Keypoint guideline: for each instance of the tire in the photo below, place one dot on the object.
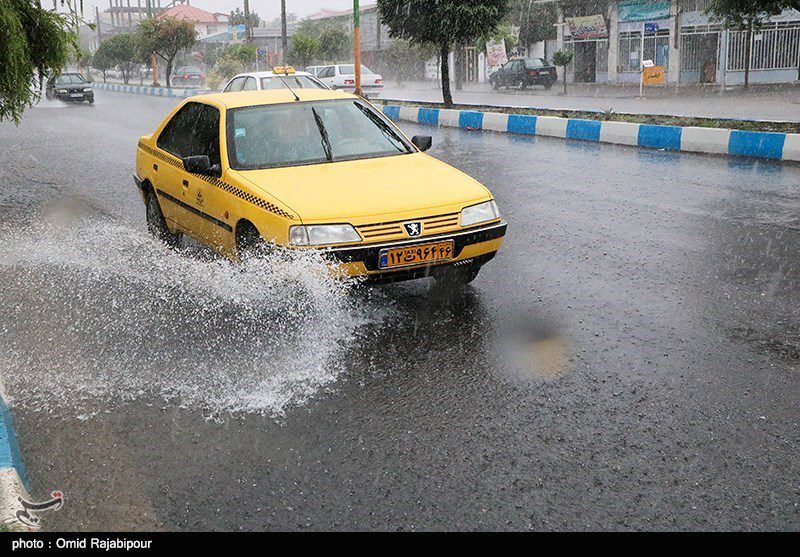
(157, 224)
(249, 242)
(548, 84)
(495, 85)
(456, 276)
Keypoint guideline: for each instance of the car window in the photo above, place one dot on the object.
(250, 84)
(349, 69)
(176, 136)
(235, 85)
(206, 133)
(269, 136)
(326, 72)
(194, 130)
(293, 81)
(534, 63)
(68, 78)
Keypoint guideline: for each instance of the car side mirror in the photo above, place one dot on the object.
(201, 164)
(422, 142)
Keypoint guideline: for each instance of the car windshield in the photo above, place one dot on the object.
(299, 133)
(348, 69)
(533, 63)
(68, 78)
(293, 81)
(189, 69)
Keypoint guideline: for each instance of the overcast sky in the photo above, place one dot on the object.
(266, 9)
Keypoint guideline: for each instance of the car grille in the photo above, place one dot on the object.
(387, 231)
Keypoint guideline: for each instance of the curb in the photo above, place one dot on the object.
(13, 483)
(762, 145)
(150, 91)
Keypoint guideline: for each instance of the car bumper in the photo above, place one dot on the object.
(75, 96)
(470, 247)
(370, 92)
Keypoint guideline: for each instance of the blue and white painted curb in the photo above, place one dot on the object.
(764, 145)
(13, 483)
(150, 91)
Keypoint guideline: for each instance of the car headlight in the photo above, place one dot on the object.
(62, 91)
(87, 90)
(321, 234)
(480, 213)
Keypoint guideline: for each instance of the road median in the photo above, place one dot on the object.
(773, 145)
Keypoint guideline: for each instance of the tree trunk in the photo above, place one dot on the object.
(747, 47)
(564, 73)
(447, 96)
(169, 73)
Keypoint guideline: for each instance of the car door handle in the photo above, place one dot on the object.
(185, 184)
(155, 167)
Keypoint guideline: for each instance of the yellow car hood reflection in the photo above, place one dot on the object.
(354, 191)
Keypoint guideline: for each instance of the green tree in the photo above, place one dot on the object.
(120, 50)
(305, 49)
(166, 36)
(34, 43)
(237, 18)
(230, 60)
(563, 58)
(101, 62)
(536, 22)
(747, 16)
(335, 44)
(442, 23)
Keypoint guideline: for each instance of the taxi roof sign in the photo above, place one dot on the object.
(285, 70)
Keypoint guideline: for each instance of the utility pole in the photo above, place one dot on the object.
(357, 45)
(97, 22)
(247, 37)
(153, 56)
(284, 37)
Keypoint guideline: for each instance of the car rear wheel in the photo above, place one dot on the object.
(157, 224)
(456, 276)
(548, 84)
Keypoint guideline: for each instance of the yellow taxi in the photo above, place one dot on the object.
(314, 169)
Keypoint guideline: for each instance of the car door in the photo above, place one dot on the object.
(210, 209)
(168, 175)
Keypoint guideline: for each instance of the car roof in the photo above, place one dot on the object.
(277, 96)
(269, 74)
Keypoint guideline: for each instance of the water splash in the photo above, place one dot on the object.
(94, 313)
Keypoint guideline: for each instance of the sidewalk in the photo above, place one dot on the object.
(761, 102)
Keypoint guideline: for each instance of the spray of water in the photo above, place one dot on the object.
(94, 313)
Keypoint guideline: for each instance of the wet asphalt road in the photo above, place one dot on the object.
(629, 361)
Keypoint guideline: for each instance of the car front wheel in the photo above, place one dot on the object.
(157, 224)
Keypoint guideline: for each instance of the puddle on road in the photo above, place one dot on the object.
(94, 312)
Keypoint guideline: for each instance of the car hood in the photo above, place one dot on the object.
(359, 191)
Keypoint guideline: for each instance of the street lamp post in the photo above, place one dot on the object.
(357, 45)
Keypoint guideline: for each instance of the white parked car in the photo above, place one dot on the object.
(262, 81)
(343, 76)
(314, 70)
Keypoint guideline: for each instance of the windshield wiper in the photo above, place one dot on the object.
(326, 142)
(387, 131)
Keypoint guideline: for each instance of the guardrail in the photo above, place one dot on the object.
(764, 145)
(150, 91)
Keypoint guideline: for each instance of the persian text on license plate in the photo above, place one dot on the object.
(414, 255)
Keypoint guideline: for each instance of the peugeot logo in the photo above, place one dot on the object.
(413, 228)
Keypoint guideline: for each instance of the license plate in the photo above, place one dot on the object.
(415, 255)
(76, 95)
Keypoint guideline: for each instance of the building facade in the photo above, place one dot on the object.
(679, 36)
